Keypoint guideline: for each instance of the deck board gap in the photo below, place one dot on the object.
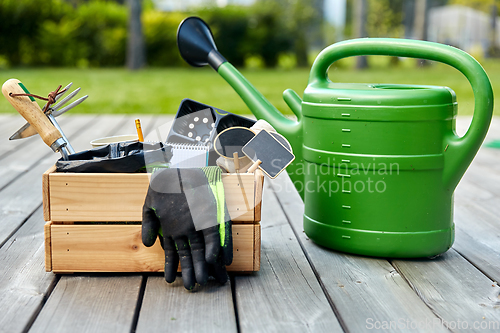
(120, 125)
(138, 306)
(476, 266)
(35, 314)
(44, 157)
(2, 243)
(233, 294)
(316, 273)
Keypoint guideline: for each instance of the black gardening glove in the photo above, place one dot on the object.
(180, 201)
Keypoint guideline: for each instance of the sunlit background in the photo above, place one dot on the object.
(124, 55)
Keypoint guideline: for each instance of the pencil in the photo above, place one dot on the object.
(139, 130)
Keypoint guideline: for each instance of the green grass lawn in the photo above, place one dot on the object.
(160, 90)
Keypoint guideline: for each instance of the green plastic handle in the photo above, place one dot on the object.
(458, 151)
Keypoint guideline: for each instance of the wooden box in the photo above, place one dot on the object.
(93, 222)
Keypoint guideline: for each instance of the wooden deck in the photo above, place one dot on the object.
(301, 287)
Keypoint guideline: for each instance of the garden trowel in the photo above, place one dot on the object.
(41, 122)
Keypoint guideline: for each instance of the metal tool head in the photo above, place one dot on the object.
(55, 109)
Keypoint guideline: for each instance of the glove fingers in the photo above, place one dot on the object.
(197, 245)
(150, 226)
(171, 259)
(218, 271)
(212, 244)
(188, 277)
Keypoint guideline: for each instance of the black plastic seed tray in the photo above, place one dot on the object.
(197, 123)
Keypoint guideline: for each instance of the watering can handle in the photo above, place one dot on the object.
(458, 151)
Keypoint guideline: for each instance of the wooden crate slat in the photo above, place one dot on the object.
(97, 197)
(119, 197)
(119, 248)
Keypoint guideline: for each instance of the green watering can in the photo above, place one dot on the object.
(376, 164)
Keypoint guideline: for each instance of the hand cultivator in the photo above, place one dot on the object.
(40, 121)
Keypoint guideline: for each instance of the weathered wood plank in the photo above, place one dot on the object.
(285, 295)
(477, 200)
(366, 292)
(24, 194)
(23, 281)
(170, 308)
(477, 230)
(455, 290)
(22, 157)
(90, 304)
(8, 126)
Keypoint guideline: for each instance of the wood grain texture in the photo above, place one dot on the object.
(23, 281)
(20, 176)
(30, 110)
(120, 196)
(90, 304)
(24, 157)
(48, 246)
(256, 247)
(476, 208)
(171, 308)
(454, 289)
(259, 186)
(477, 235)
(363, 290)
(284, 296)
(119, 248)
(9, 125)
(240, 196)
(45, 192)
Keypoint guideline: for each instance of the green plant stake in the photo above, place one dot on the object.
(376, 164)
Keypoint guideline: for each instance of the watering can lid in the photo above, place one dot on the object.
(378, 94)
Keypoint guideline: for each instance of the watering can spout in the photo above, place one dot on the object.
(294, 102)
(197, 47)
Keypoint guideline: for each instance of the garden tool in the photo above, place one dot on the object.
(186, 209)
(40, 122)
(376, 164)
(52, 111)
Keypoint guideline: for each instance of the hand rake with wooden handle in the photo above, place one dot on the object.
(29, 109)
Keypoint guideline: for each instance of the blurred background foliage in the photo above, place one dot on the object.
(267, 33)
(273, 42)
(93, 33)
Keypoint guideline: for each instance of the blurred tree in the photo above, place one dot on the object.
(493, 49)
(20, 23)
(359, 27)
(304, 21)
(230, 26)
(268, 32)
(136, 56)
(385, 18)
(160, 38)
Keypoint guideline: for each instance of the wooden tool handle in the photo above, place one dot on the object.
(254, 166)
(30, 110)
(236, 162)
